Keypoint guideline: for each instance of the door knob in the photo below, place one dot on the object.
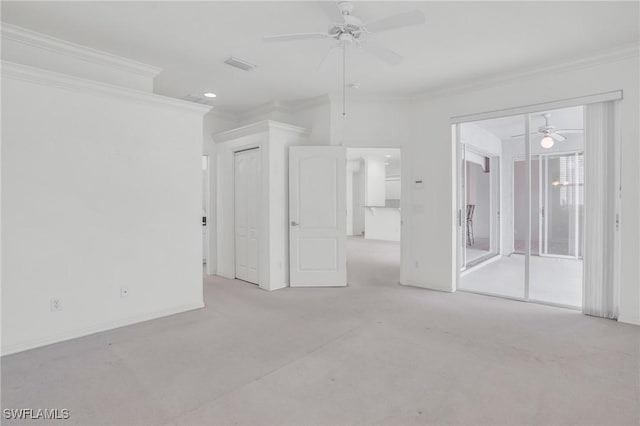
(294, 223)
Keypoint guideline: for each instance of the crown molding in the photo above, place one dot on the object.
(259, 127)
(285, 107)
(263, 109)
(309, 103)
(370, 98)
(618, 53)
(224, 114)
(83, 53)
(54, 79)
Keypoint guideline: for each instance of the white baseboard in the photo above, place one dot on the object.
(412, 283)
(97, 328)
(629, 319)
(278, 287)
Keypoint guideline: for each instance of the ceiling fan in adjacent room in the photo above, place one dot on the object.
(347, 29)
(550, 133)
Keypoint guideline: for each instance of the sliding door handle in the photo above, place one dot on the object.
(294, 223)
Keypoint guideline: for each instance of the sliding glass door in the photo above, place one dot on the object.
(486, 196)
(556, 270)
(540, 206)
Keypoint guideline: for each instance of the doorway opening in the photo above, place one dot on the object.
(374, 215)
(521, 199)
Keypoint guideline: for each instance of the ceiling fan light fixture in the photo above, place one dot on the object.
(547, 142)
(210, 95)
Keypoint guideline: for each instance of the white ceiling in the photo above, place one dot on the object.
(506, 127)
(461, 41)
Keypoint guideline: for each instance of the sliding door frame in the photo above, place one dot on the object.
(457, 121)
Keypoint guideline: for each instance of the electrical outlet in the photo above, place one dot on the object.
(124, 291)
(56, 305)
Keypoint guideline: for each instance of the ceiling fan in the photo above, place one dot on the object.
(550, 133)
(347, 29)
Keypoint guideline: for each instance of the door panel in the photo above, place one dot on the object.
(247, 190)
(317, 213)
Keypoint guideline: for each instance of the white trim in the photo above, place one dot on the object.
(414, 283)
(528, 109)
(607, 56)
(483, 262)
(527, 238)
(260, 126)
(263, 109)
(282, 107)
(97, 328)
(635, 320)
(519, 299)
(310, 103)
(87, 54)
(68, 82)
(224, 114)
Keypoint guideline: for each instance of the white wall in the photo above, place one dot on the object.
(430, 255)
(213, 123)
(483, 141)
(393, 188)
(353, 167)
(382, 223)
(101, 189)
(358, 202)
(374, 182)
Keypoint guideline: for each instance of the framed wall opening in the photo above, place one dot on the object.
(374, 215)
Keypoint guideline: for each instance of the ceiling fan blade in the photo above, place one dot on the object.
(294, 37)
(568, 131)
(414, 17)
(556, 137)
(330, 8)
(380, 52)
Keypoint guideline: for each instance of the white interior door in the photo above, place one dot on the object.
(247, 191)
(317, 214)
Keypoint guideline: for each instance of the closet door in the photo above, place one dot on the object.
(247, 191)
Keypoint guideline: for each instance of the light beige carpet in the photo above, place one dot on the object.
(372, 353)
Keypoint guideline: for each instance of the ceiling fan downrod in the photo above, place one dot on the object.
(344, 80)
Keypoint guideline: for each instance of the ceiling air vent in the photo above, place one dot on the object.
(239, 63)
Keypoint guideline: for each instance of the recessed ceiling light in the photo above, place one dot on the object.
(388, 156)
(209, 95)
